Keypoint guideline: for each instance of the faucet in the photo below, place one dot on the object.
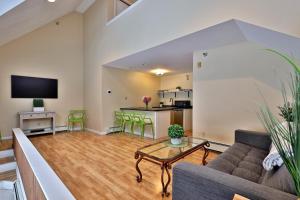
(172, 100)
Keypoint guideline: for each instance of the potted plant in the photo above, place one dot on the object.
(287, 138)
(146, 101)
(175, 132)
(38, 105)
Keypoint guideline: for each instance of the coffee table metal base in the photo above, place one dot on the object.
(166, 166)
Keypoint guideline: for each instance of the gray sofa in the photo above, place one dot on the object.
(238, 170)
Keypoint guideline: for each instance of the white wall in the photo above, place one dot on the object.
(231, 85)
(127, 89)
(140, 29)
(185, 81)
(150, 23)
(51, 52)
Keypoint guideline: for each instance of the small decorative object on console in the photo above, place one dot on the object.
(146, 100)
(175, 132)
(38, 105)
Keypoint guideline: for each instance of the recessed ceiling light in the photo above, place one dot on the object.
(51, 1)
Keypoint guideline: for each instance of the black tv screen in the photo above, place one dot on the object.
(32, 87)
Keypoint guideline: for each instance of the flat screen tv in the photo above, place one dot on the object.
(32, 87)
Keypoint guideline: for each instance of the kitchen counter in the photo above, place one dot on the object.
(161, 118)
(154, 109)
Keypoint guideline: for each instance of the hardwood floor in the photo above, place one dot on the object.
(7, 160)
(5, 145)
(8, 176)
(103, 167)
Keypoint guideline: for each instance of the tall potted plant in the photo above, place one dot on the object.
(287, 138)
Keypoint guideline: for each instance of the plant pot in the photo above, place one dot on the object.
(176, 141)
(38, 109)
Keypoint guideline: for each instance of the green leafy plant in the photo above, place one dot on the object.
(286, 112)
(287, 138)
(175, 131)
(38, 103)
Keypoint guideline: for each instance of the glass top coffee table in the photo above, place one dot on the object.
(164, 154)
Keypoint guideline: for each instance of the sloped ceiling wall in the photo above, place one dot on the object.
(176, 55)
(31, 15)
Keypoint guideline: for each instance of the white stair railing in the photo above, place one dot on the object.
(39, 180)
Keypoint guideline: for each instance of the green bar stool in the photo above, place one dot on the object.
(118, 122)
(127, 120)
(142, 121)
(136, 120)
(76, 117)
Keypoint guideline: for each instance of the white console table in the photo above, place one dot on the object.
(37, 115)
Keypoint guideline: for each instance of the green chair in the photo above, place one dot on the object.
(142, 121)
(127, 121)
(118, 122)
(76, 117)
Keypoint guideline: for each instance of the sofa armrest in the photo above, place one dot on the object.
(252, 138)
(192, 182)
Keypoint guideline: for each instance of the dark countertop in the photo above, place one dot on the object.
(155, 109)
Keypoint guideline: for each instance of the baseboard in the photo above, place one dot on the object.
(57, 129)
(7, 138)
(95, 131)
(8, 166)
(65, 128)
(6, 153)
(218, 146)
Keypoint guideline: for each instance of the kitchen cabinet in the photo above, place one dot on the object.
(187, 119)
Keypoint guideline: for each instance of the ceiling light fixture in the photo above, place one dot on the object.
(159, 72)
(51, 1)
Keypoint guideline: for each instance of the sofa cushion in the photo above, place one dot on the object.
(280, 179)
(253, 159)
(253, 167)
(241, 160)
(222, 165)
(258, 153)
(246, 174)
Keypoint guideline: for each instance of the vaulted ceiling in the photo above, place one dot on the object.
(176, 56)
(33, 14)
